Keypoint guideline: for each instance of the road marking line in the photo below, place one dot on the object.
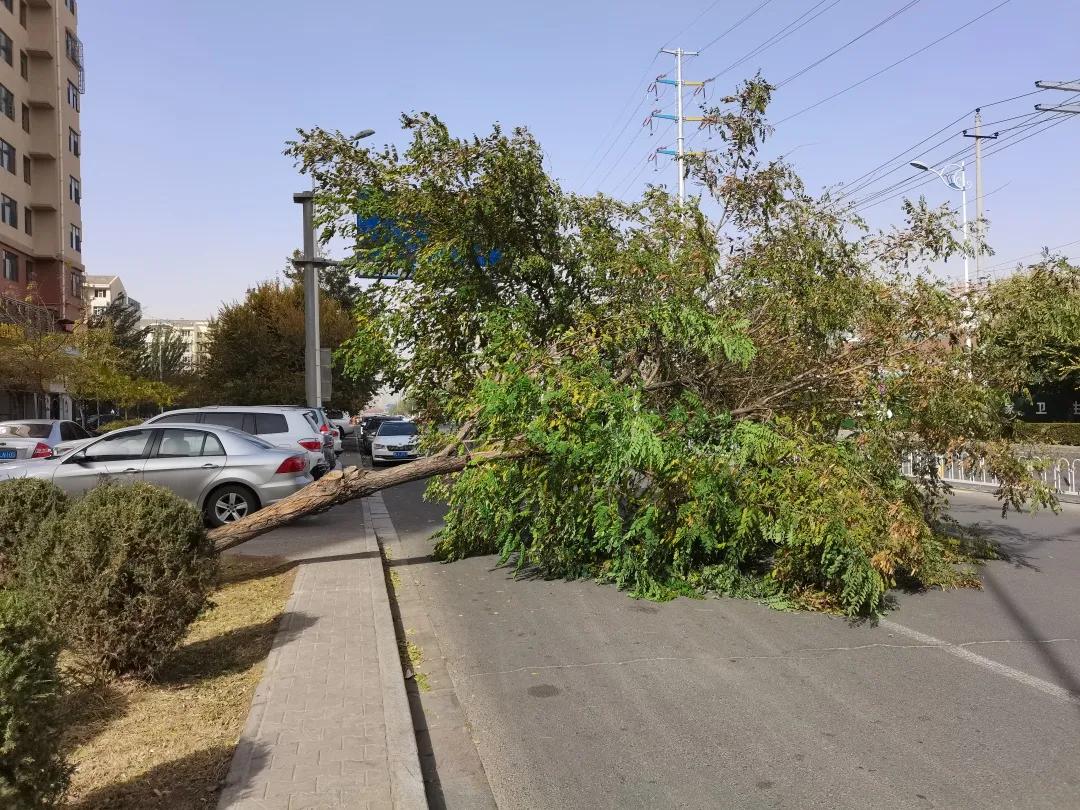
(986, 663)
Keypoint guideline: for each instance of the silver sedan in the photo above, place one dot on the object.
(225, 472)
(22, 439)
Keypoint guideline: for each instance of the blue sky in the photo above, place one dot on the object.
(188, 105)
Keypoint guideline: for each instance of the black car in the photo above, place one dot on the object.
(369, 426)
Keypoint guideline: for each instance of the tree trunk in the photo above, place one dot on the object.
(340, 486)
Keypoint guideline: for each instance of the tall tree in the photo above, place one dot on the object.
(127, 332)
(163, 356)
(657, 393)
(256, 350)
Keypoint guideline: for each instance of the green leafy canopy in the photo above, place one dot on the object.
(675, 376)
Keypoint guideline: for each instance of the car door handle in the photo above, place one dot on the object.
(209, 466)
(131, 470)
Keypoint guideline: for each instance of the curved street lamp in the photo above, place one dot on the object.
(954, 176)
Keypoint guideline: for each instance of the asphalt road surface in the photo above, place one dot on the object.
(576, 695)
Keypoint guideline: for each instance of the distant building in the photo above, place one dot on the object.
(101, 291)
(195, 335)
(41, 95)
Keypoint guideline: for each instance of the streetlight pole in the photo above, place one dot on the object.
(312, 342)
(957, 179)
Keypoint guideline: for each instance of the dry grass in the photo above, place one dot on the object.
(168, 744)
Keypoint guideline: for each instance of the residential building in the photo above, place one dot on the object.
(195, 334)
(41, 89)
(99, 292)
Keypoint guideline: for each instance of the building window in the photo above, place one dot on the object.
(99, 293)
(73, 142)
(71, 6)
(24, 65)
(76, 283)
(75, 190)
(26, 169)
(9, 211)
(28, 221)
(75, 238)
(7, 102)
(1040, 407)
(29, 266)
(7, 157)
(11, 266)
(9, 4)
(22, 13)
(26, 117)
(71, 46)
(7, 48)
(73, 96)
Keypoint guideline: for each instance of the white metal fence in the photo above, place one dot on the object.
(1061, 474)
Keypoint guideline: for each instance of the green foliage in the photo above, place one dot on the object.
(121, 575)
(33, 773)
(1028, 327)
(672, 384)
(25, 503)
(117, 424)
(256, 350)
(1067, 433)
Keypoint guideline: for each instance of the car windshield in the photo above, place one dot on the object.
(397, 429)
(26, 430)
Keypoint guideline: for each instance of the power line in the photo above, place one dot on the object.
(780, 35)
(622, 155)
(633, 112)
(1050, 250)
(894, 64)
(910, 4)
(740, 21)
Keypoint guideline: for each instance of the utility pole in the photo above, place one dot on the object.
(312, 381)
(978, 136)
(1067, 87)
(679, 119)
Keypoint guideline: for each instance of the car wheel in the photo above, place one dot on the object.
(229, 503)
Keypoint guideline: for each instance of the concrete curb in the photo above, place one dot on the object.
(406, 778)
(988, 489)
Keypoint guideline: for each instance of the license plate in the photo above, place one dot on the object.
(401, 453)
(7, 454)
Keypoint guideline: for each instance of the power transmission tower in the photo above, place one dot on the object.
(1067, 87)
(679, 153)
(978, 136)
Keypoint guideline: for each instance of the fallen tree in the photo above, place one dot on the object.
(709, 397)
(339, 486)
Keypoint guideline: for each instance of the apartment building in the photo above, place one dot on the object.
(41, 91)
(195, 335)
(99, 292)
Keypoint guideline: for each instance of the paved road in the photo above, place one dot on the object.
(578, 696)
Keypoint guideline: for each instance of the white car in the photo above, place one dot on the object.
(282, 426)
(397, 440)
(24, 439)
(341, 420)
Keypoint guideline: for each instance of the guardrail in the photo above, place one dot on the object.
(1062, 475)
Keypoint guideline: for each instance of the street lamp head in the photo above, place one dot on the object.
(918, 164)
(364, 133)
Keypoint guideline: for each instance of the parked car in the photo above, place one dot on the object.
(341, 420)
(284, 426)
(224, 471)
(396, 440)
(370, 426)
(22, 439)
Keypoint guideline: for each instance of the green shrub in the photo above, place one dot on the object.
(121, 575)
(33, 773)
(24, 505)
(109, 427)
(1048, 432)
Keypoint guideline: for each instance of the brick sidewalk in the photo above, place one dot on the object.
(329, 725)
